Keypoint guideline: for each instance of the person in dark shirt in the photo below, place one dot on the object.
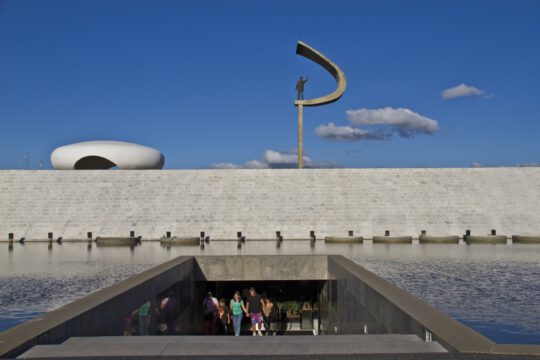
(210, 305)
(168, 311)
(254, 305)
(223, 318)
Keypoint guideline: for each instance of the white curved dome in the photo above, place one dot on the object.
(106, 154)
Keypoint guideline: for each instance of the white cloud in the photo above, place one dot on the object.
(405, 121)
(476, 165)
(252, 164)
(461, 90)
(255, 164)
(282, 158)
(531, 164)
(272, 159)
(337, 133)
(226, 166)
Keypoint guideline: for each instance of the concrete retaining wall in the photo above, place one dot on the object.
(268, 268)
(358, 297)
(102, 313)
(260, 202)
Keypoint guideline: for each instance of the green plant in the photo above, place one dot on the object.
(291, 307)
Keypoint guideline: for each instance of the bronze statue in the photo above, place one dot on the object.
(300, 88)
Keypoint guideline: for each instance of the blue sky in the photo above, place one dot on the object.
(213, 82)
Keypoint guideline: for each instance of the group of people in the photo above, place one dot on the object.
(138, 321)
(218, 316)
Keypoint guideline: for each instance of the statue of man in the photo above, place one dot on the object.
(300, 87)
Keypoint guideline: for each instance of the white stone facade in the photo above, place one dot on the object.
(260, 202)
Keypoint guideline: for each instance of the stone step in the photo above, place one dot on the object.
(187, 346)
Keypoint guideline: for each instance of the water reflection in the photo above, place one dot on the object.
(492, 288)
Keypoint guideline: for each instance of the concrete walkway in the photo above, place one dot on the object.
(225, 346)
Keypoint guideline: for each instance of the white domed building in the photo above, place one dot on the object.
(95, 155)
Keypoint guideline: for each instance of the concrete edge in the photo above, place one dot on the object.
(516, 349)
(449, 331)
(392, 239)
(486, 239)
(523, 239)
(307, 267)
(427, 239)
(520, 239)
(344, 239)
(30, 331)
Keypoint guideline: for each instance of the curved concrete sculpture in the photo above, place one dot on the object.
(92, 155)
(307, 51)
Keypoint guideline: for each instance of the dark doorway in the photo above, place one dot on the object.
(297, 302)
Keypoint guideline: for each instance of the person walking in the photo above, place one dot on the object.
(128, 323)
(237, 310)
(254, 307)
(268, 312)
(223, 318)
(144, 318)
(210, 305)
(169, 309)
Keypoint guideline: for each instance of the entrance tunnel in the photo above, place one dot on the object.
(314, 294)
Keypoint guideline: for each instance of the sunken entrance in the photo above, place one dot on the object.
(317, 295)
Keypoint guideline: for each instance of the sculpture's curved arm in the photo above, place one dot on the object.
(312, 54)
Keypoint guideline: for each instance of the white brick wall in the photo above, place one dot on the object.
(259, 202)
